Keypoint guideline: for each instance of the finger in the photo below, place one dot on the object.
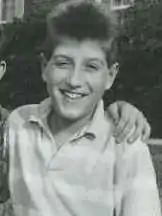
(113, 112)
(124, 120)
(124, 132)
(120, 128)
(146, 132)
(137, 132)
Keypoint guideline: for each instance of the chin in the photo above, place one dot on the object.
(73, 115)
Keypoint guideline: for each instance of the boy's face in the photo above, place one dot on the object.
(77, 76)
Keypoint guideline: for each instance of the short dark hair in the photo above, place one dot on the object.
(82, 20)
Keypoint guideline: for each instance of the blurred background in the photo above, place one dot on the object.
(22, 32)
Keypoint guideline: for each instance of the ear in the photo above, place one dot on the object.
(112, 73)
(43, 62)
(2, 68)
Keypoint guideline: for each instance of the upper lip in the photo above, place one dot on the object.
(73, 92)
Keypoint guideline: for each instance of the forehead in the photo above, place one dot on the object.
(87, 48)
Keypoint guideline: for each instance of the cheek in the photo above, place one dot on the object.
(98, 82)
(54, 75)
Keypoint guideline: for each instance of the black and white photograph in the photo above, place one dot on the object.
(80, 107)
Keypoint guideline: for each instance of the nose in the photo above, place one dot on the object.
(75, 77)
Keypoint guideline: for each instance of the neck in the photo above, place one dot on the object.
(63, 129)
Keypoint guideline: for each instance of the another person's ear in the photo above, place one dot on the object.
(113, 71)
(43, 62)
(2, 68)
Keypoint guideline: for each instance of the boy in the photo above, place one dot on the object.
(63, 156)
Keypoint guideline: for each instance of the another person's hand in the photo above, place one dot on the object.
(129, 121)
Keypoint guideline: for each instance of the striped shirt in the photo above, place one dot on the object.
(88, 176)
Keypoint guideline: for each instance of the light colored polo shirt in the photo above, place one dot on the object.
(88, 176)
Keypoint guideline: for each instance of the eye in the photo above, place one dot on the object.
(62, 63)
(92, 67)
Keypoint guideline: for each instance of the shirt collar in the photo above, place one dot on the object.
(91, 130)
(99, 123)
(42, 111)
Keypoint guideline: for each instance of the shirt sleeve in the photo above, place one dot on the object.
(137, 178)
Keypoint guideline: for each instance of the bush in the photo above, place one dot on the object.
(140, 78)
(22, 83)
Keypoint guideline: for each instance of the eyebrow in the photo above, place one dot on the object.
(97, 60)
(62, 56)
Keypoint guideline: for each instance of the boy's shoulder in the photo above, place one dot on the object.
(29, 113)
(130, 151)
(23, 113)
(131, 159)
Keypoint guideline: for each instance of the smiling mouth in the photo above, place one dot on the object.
(72, 94)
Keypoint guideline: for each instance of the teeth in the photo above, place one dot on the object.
(73, 95)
